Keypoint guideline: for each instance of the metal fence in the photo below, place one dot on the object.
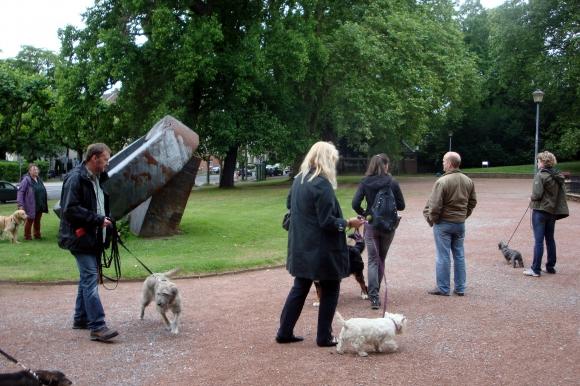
(573, 185)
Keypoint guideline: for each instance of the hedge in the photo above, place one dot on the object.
(10, 171)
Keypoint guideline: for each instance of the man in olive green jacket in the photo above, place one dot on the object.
(548, 202)
(451, 202)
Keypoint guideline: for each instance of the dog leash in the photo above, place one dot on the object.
(132, 254)
(508, 243)
(12, 359)
(114, 259)
(381, 270)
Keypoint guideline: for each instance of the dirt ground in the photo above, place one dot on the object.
(508, 330)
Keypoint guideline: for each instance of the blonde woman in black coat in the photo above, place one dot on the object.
(316, 243)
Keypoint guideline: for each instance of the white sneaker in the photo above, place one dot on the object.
(530, 272)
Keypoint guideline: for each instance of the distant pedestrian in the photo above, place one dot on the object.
(548, 202)
(317, 247)
(32, 198)
(84, 211)
(451, 203)
(376, 178)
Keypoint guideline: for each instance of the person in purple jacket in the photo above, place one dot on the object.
(32, 198)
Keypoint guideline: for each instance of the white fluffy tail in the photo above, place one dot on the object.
(339, 318)
(172, 272)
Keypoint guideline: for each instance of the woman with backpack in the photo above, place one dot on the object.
(378, 238)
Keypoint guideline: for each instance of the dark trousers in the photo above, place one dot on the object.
(329, 289)
(30, 223)
(544, 225)
(378, 244)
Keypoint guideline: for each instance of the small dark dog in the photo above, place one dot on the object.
(356, 264)
(511, 255)
(25, 378)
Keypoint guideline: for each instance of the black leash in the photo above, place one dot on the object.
(114, 259)
(508, 243)
(132, 254)
(12, 359)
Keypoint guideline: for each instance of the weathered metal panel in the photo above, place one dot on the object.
(145, 167)
(161, 215)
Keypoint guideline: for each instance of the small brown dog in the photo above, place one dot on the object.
(356, 265)
(9, 225)
(25, 378)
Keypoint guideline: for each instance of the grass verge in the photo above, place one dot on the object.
(221, 230)
(572, 167)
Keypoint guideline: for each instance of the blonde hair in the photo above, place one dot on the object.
(321, 160)
(547, 158)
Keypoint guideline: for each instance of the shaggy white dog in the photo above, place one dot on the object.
(376, 332)
(158, 287)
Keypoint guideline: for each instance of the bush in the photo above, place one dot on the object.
(10, 171)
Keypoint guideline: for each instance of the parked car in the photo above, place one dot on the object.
(244, 173)
(7, 191)
(215, 169)
(273, 170)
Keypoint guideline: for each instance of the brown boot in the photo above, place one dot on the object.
(103, 334)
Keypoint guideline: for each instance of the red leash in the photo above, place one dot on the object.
(381, 271)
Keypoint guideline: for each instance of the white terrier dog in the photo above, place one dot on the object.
(158, 287)
(376, 332)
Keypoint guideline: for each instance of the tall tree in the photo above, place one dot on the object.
(26, 101)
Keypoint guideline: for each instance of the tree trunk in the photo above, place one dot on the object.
(229, 167)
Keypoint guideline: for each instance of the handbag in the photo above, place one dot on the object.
(286, 221)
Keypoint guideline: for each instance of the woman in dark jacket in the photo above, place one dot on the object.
(548, 202)
(32, 197)
(377, 177)
(316, 243)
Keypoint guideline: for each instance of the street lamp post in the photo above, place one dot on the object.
(450, 135)
(538, 97)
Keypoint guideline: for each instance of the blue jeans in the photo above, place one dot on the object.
(449, 237)
(544, 225)
(88, 307)
(377, 244)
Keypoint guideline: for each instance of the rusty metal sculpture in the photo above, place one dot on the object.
(152, 178)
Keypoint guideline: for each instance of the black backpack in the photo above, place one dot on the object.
(384, 216)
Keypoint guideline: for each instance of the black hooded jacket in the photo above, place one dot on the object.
(80, 224)
(368, 189)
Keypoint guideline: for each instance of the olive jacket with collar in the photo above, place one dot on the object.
(317, 247)
(548, 193)
(452, 199)
(80, 224)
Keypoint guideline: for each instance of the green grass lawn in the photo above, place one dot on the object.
(572, 167)
(222, 230)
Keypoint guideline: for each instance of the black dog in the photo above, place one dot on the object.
(25, 378)
(356, 264)
(511, 255)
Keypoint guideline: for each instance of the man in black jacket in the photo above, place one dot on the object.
(84, 209)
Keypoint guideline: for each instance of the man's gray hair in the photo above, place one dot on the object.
(96, 149)
(453, 158)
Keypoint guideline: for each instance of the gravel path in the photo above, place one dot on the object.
(507, 330)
